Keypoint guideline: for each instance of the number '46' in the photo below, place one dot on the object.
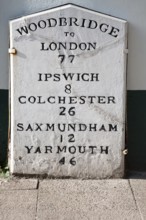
(72, 161)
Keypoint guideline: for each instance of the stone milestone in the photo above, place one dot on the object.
(68, 82)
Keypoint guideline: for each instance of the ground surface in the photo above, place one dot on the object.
(35, 199)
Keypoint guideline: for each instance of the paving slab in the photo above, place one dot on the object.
(18, 184)
(18, 205)
(139, 191)
(86, 199)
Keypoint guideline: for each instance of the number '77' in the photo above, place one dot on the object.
(62, 58)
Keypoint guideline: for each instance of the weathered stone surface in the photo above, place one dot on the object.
(68, 94)
(88, 199)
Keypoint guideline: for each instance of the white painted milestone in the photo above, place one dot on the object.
(68, 82)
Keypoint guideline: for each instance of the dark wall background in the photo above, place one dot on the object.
(3, 126)
(136, 134)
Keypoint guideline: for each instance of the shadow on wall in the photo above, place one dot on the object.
(3, 126)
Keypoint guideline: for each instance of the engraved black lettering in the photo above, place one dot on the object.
(62, 21)
(114, 32)
(68, 76)
(82, 149)
(82, 100)
(62, 161)
(56, 77)
(51, 99)
(95, 77)
(72, 161)
(53, 46)
(21, 99)
(73, 46)
(102, 128)
(111, 99)
(72, 149)
(61, 149)
(62, 56)
(38, 127)
(91, 46)
(43, 47)
(50, 127)
(112, 127)
(68, 88)
(28, 149)
(72, 100)
(101, 99)
(82, 127)
(103, 27)
(22, 30)
(104, 149)
(42, 24)
(61, 127)
(29, 128)
(38, 150)
(48, 149)
(93, 127)
(71, 58)
(32, 27)
(61, 45)
(61, 138)
(73, 20)
(83, 46)
(61, 99)
(83, 22)
(71, 138)
(52, 22)
(20, 127)
(40, 77)
(91, 99)
(47, 76)
(62, 112)
(72, 127)
(85, 77)
(40, 101)
(92, 24)
(92, 149)
(32, 99)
